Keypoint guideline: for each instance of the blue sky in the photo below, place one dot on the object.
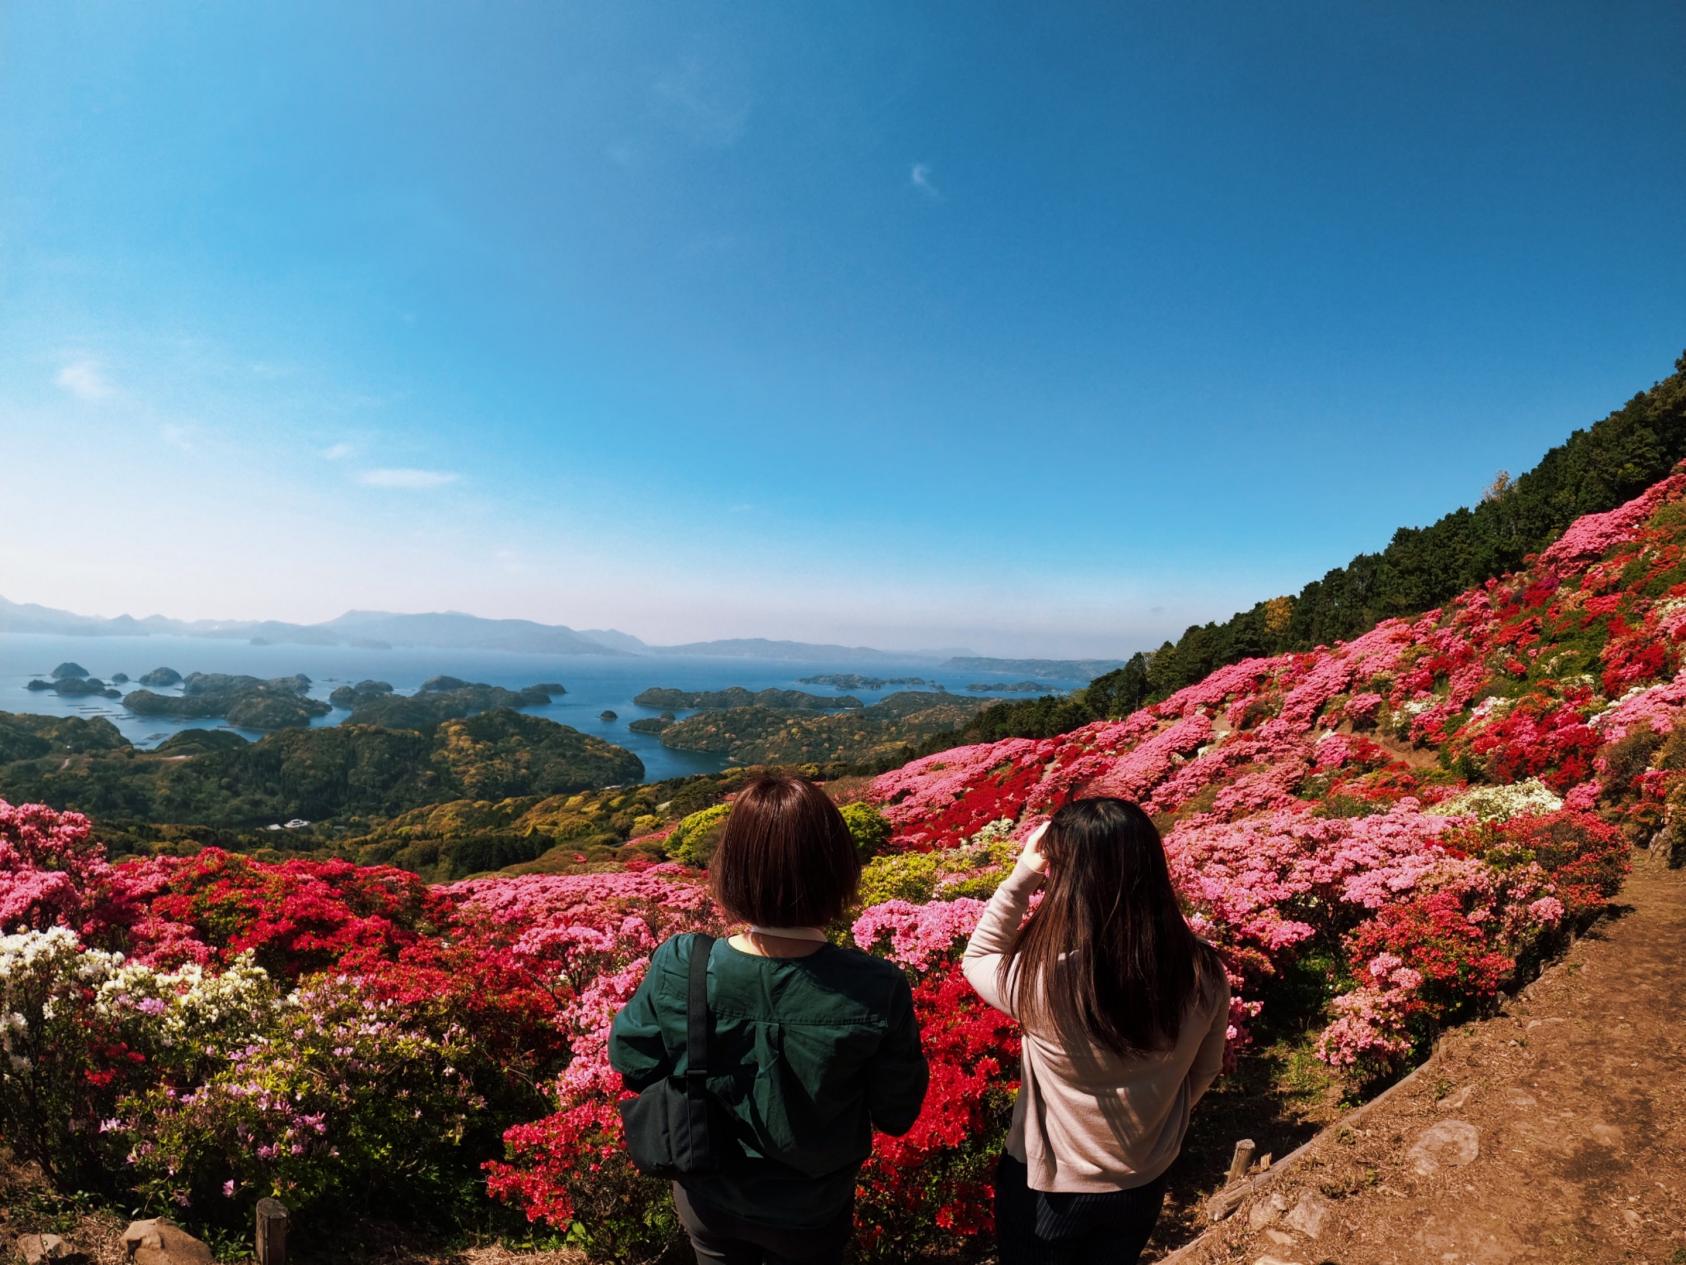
(1036, 329)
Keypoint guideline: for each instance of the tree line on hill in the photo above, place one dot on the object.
(1594, 470)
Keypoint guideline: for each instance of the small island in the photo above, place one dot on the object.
(1015, 687)
(161, 678)
(69, 669)
(855, 681)
(72, 686)
(606, 714)
(248, 702)
(650, 724)
(351, 696)
(765, 735)
(737, 696)
(439, 698)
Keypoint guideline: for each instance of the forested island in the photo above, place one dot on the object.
(250, 702)
(1054, 669)
(737, 696)
(855, 681)
(765, 735)
(350, 772)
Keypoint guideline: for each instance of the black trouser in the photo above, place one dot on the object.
(719, 1238)
(1035, 1227)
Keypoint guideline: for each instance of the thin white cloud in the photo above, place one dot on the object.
(701, 103)
(85, 380)
(920, 178)
(406, 477)
(338, 452)
(178, 437)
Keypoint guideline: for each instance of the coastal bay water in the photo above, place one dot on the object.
(595, 683)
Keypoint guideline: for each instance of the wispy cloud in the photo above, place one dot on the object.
(920, 178)
(85, 379)
(178, 437)
(698, 104)
(338, 452)
(406, 477)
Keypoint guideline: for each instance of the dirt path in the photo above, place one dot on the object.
(1553, 1132)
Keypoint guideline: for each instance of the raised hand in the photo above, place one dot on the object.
(1032, 855)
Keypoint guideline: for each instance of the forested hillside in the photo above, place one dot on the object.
(1593, 470)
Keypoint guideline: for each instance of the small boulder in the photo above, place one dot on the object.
(1267, 1210)
(39, 1248)
(162, 1242)
(1449, 1143)
(1309, 1214)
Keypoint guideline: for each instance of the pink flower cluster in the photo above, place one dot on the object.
(917, 936)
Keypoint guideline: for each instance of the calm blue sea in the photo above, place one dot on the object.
(596, 683)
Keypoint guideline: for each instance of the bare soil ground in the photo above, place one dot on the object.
(1552, 1132)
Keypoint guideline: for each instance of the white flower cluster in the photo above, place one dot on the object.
(34, 967)
(28, 953)
(1500, 803)
(998, 831)
(44, 971)
(1491, 707)
(190, 1002)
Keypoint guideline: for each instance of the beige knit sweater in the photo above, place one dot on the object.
(1086, 1118)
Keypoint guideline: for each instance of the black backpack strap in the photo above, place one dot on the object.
(696, 1014)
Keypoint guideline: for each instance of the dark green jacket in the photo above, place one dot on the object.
(809, 1055)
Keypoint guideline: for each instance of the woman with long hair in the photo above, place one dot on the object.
(1124, 1012)
(810, 1046)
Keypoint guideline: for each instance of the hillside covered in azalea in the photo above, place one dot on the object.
(1380, 836)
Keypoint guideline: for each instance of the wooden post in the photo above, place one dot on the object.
(1238, 1164)
(272, 1232)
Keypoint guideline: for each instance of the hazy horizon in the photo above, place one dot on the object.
(891, 326)
(658, 642)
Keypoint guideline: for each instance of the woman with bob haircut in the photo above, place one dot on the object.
(811, 1046)
(1124, 1012)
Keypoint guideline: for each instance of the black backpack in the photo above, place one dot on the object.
(674, 1130)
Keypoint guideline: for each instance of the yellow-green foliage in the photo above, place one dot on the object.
(867, 827)
(694, 838)
(976, 868)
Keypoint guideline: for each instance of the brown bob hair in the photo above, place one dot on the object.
(786, 859)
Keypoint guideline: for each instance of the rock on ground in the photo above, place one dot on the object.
(163, 1242)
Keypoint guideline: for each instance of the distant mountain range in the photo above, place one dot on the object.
(451, 630)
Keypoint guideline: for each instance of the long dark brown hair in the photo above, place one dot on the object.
(1109, 954)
